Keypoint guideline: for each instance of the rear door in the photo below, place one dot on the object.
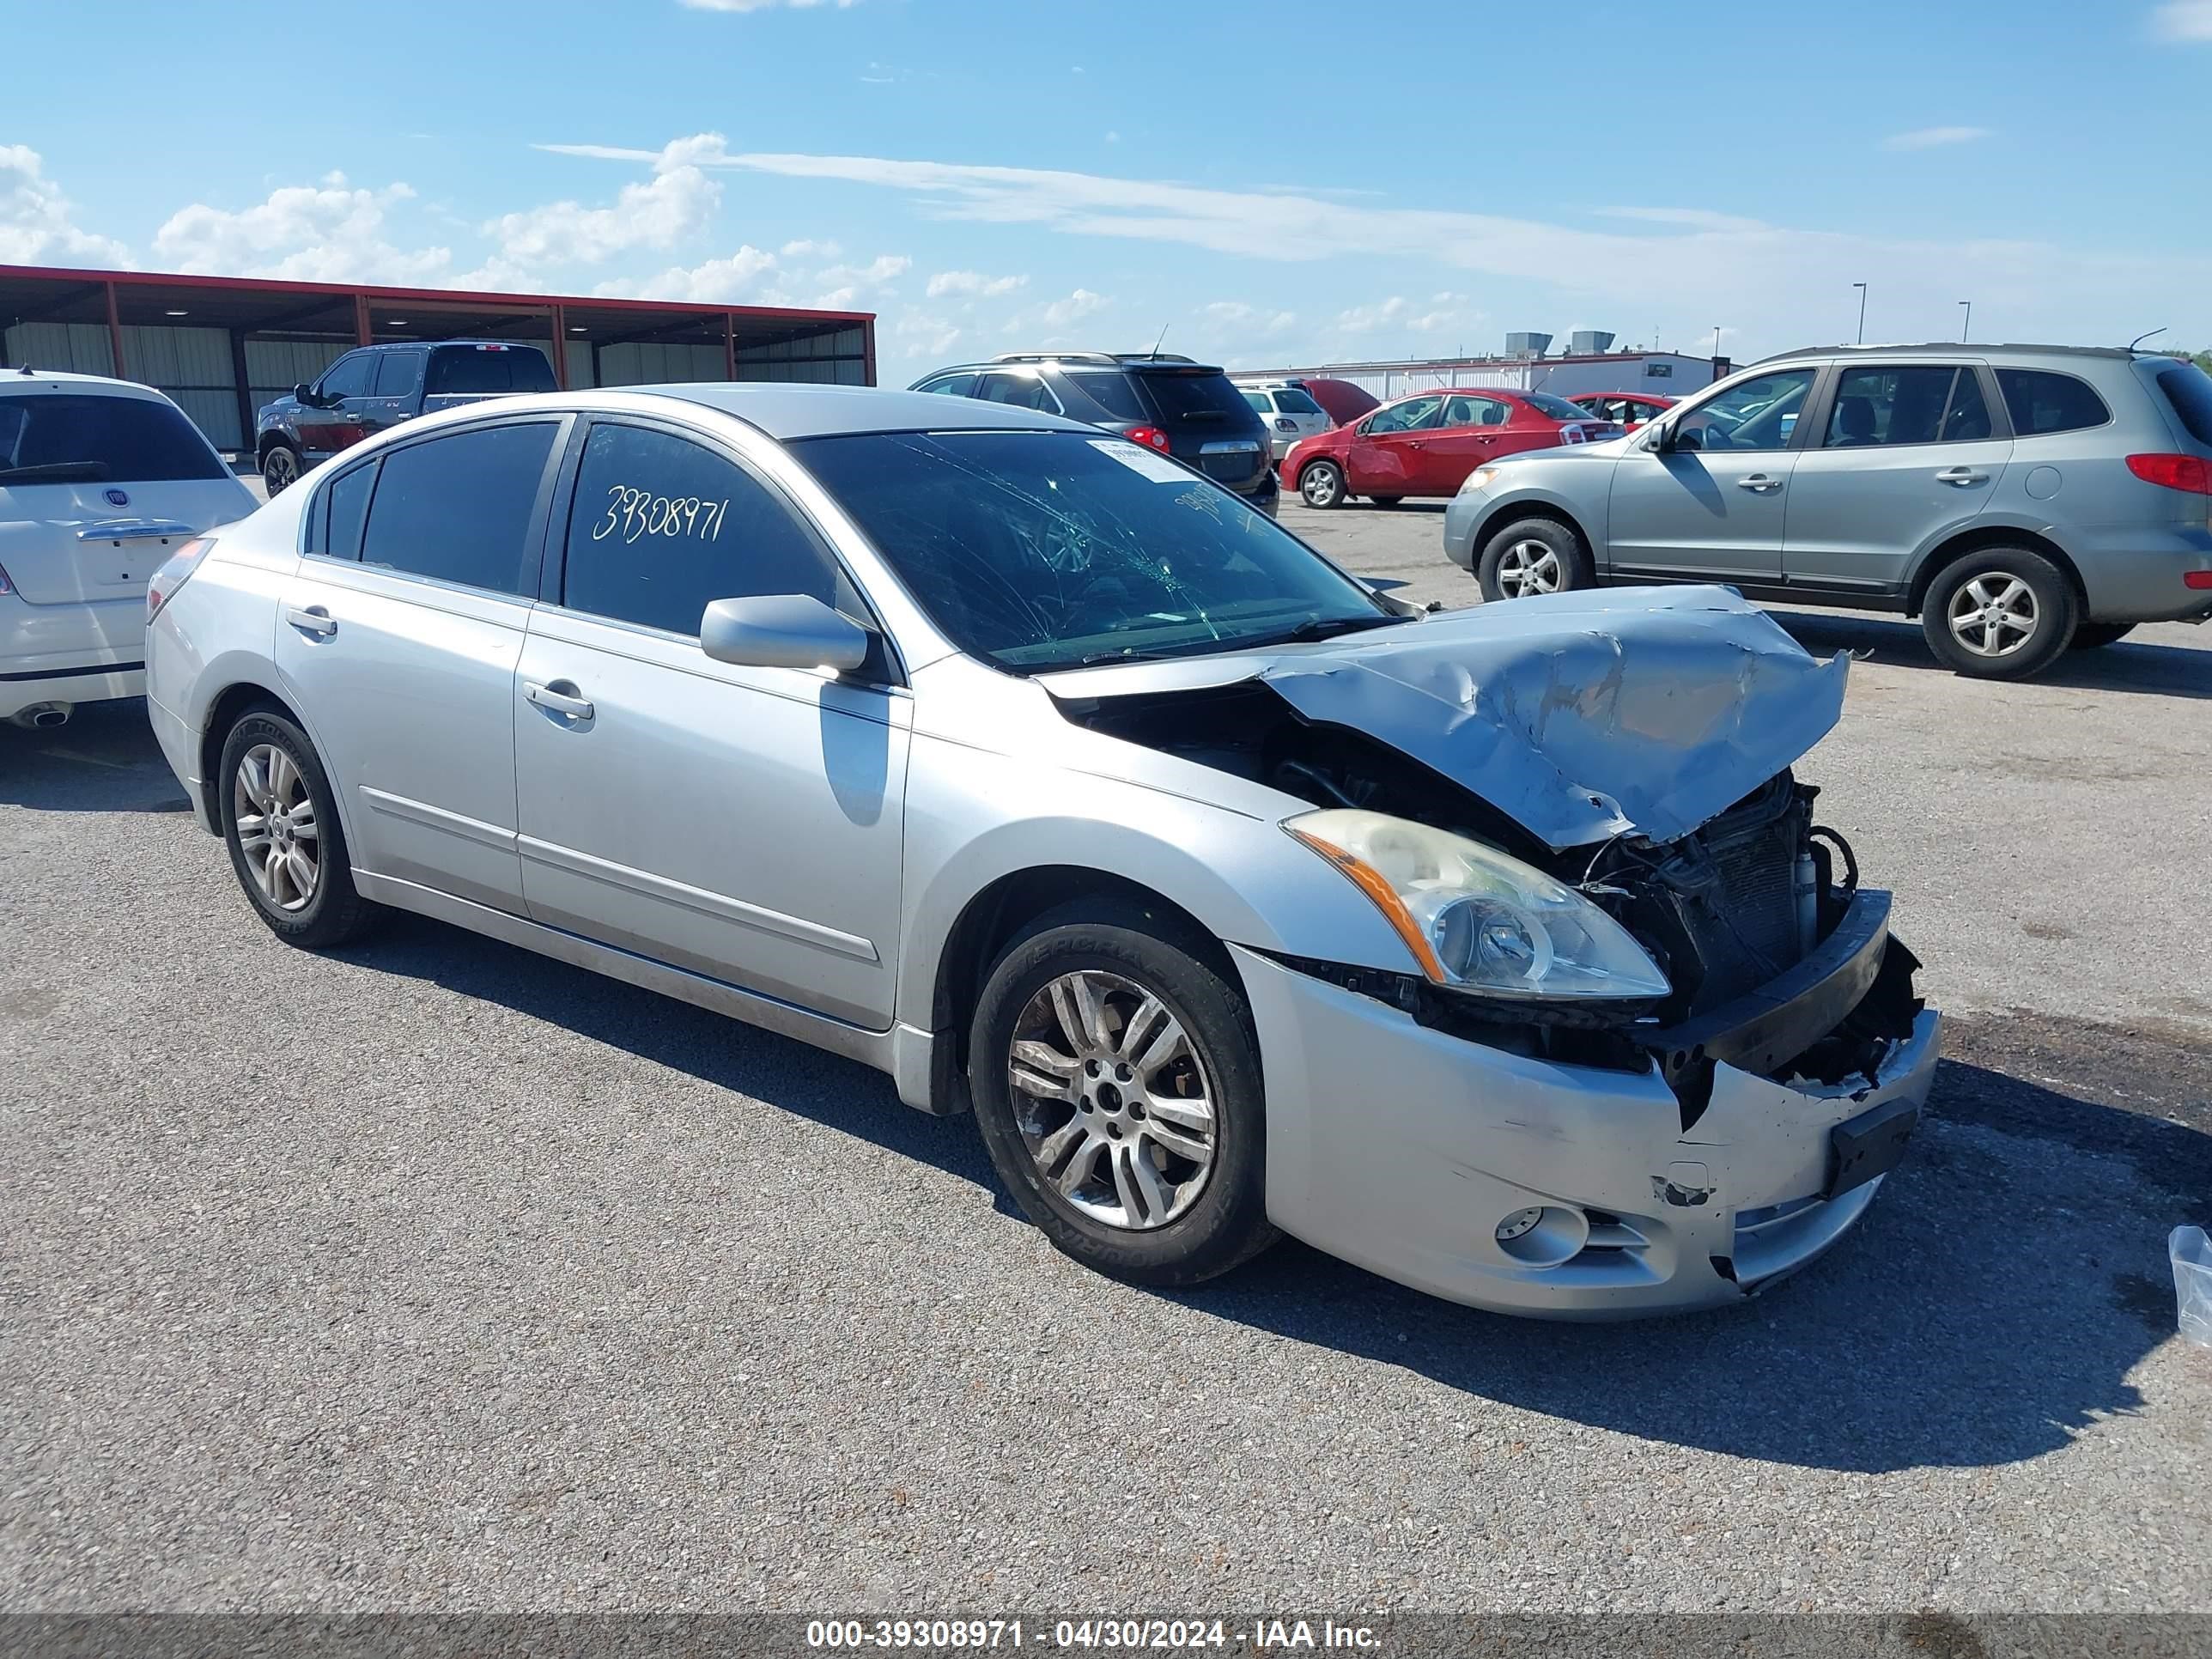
(399, 636)
(96, 488)
(1473, 429)
(1389, 449)
(396, 393)
(1904, 455)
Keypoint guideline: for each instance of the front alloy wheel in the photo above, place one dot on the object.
(1528, 566)
(280, 470)
(1112, 1100)
(1321, 484)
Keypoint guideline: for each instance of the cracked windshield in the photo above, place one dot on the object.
(1043, 550)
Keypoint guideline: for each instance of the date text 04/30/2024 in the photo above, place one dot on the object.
(1099, 1635)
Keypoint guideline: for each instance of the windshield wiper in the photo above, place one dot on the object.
(54, 472)
(1127, 654)
(1324, 628)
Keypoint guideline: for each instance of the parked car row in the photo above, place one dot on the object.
(1426, 443)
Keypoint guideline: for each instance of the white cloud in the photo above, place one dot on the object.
(804, 249)
(1688, 218)
(2189, 21)
(1249, 318)
(1765, 279)
(1081, 303)
(657, 213)
(1934, 138)
(878, 271)
(36, 220)
(328, 232)
(759, 5)
(717, 282)
(971, 281)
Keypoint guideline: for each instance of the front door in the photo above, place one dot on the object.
(744, 824)
(336, 418)
(1387, 455)
(401, 631)
(1906, 455)
(1712, 508)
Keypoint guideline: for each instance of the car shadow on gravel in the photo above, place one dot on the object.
(1991, 1307)
(2130, 666)
(105, 760)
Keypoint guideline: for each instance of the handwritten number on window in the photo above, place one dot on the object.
(636, 514)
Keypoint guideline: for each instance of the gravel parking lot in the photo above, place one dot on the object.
(438, 1275)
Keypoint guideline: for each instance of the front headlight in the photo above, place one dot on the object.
(1478, 920)
(1480, 479)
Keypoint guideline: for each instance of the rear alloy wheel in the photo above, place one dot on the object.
(1321, 484)
(280, 469)
(2003, 613)
(1533, 556)
(2094, 636)
(1117, 1082)
(282, 828)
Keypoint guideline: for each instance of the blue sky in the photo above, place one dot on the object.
(1272, 183)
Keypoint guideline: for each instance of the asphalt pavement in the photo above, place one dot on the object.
(436, 1275)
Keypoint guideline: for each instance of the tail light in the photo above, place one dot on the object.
(161, 586)
(1148, 435)
(1282, 425)
(2187, 473)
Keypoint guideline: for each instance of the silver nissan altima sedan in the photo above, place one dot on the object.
(1498, 952)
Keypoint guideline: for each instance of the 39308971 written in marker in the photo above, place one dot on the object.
(637, 513)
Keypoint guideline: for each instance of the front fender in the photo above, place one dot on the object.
(1483, 513)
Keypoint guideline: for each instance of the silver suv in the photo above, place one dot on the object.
(2019, 500)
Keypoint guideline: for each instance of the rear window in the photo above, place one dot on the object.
(1114, 394)
(462, 369)
(1179, 395)
(458, 508)
(2040, 402)
(2188, 389)
(69, 439)
(1557, 409)
(1292, 401)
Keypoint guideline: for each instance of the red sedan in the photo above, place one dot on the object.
(1427, 444)
(1630, 409)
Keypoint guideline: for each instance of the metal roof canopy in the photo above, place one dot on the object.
(365, 314)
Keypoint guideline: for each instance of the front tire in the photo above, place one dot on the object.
(280, 822)
(280, 469)
(1532, 556)
(1116, 1082)
(1321, 484)
(2002, 613)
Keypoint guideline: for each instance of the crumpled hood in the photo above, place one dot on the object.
(1579, 715)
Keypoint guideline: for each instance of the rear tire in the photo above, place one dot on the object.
(2000, 613)
(280, 822)
(1088, 988)
(1532, 556)
(2094, 636)
(280, 469)
(1321, 484)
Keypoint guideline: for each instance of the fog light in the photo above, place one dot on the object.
(1543, 1236)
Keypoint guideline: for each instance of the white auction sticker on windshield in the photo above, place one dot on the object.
(1138, 458)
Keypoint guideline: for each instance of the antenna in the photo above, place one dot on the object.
(1162, 340)
(2140, 338)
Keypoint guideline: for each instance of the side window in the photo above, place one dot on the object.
(1414, 415)
(663, 526)
(1888, 406)
(1755, 414)
(950, 385)
(1967, 416)
(1261, 404)
(2040, 402)
(1114, 393)
(467, 369)
(1476, 411)
(399, 373)
(1021, 391)
(348, 376)
(458, 508)
(346, 504)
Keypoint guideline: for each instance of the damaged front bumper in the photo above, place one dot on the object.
(1524, 1185)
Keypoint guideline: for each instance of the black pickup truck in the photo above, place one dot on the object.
(380, 386)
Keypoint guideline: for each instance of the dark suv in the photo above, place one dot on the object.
(380, 386)
(1181, 408)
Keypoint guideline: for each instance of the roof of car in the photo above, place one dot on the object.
(1981, 348)
(786, 410)
(31, 375)
(488, 345)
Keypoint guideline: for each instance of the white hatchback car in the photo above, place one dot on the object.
(101, 480)
(1288, 409)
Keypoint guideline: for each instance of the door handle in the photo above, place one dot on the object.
(1962, 476)
(564, 703)
(311, 619)
(1414, 443)
(1757, 483)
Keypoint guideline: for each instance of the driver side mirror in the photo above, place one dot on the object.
(303, 393)
(781, 630)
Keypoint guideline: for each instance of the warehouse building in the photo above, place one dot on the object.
(1589, 364)
(224, 346)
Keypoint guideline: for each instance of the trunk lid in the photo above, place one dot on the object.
(1581, 716)
(1208, 423)
(64, 544)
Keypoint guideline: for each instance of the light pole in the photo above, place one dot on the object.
(1861, 288)
(1967, 328)
(1716, 340)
